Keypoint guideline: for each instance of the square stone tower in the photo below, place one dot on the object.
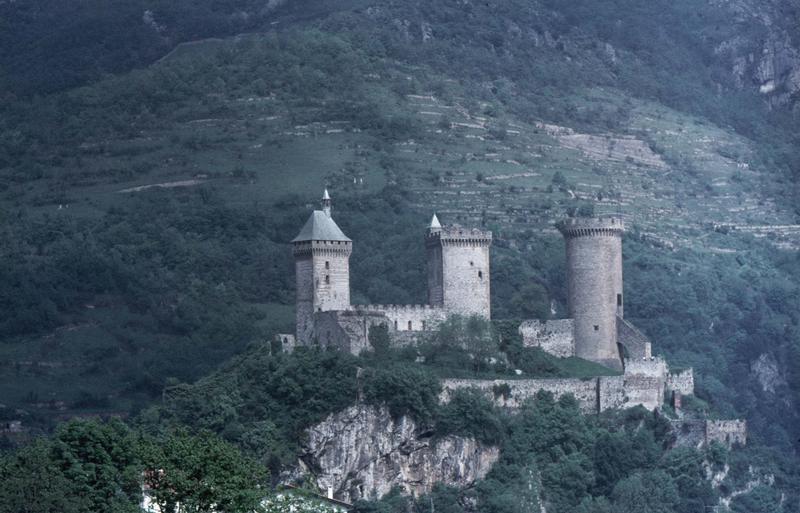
(322, 269)
(594, 282)
(458, 269)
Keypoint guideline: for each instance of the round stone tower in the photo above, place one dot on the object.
(594, 277)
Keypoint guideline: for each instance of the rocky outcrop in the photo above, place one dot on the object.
(765, 370)
(770, 61)
(363, 452)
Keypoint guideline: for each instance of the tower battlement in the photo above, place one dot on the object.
(458, 235)
(322, 247)
(591, 226)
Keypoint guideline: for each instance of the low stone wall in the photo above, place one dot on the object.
(556, 337)
(407, 317)
(512, 393)
(641, 385)
(682, 382)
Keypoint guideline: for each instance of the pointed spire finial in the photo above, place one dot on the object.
(435, 224)
(326, 202)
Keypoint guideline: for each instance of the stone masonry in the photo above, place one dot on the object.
(594, 281)
(458, 281)
(556, 337)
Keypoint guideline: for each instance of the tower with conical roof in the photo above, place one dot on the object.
(322, 269)
(458, 269)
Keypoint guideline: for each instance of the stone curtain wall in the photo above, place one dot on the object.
(682, 382)
(512, 393)
(421, 317)
(728, 432)
(636, 343)
(555, 337)
(347, 330)
(642, 384)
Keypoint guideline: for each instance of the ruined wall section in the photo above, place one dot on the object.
(512, 393)
(408, 317)
(347, 330)
(644, 382)
(728, 432)
(556, 337)
(681, 382)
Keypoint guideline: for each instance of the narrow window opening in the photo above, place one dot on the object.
(480, 274)
(409, 325)
(596, 327)
(619, 299)
(395, 325)
(327, 278)
(327, 265)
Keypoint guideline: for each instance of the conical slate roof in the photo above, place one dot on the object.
(320, 227)
(435, 222)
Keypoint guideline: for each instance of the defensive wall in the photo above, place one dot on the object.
(728, 432)
(348, 329)
(556, 337)
(407, 317)
(696, 432)
(681, 382)
(635, 343)
(644, 383)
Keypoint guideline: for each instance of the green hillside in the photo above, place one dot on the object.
(146, 203)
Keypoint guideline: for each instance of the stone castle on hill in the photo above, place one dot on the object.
(458, 277)
(458, 283)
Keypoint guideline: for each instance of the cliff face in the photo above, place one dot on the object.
(768, 59)
(362, 453)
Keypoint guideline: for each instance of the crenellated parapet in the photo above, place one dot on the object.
(458, 236)
(322, 248)
(407, 317)
(591, 226)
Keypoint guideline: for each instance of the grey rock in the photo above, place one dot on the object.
(363, 452)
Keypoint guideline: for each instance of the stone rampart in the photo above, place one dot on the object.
(512, 393)
(682, 382)
(556, 337)
(407, 317)
(728, 432)
(634, 341)
(644, 382)
(346, 330)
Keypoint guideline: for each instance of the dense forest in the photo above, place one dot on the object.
(148, 191)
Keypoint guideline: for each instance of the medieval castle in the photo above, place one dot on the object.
(458, 276)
